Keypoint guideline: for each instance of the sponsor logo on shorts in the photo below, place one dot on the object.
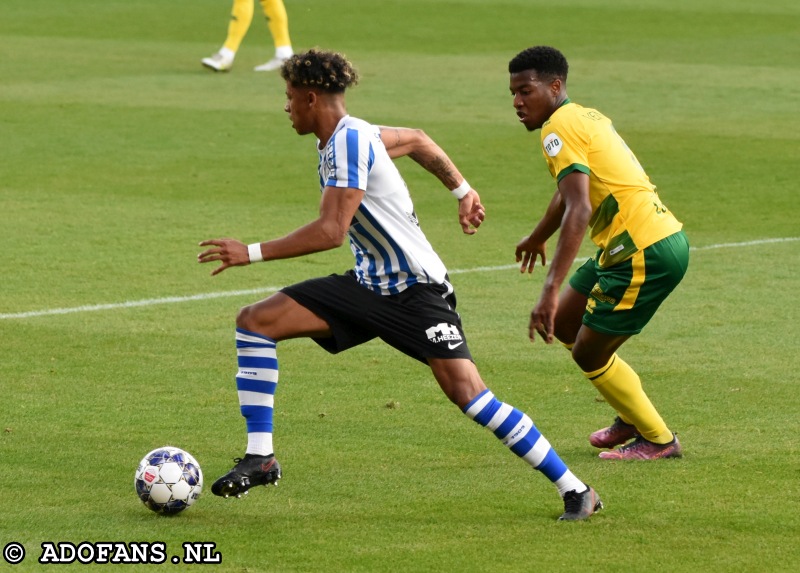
(444, 332)
(598, 294)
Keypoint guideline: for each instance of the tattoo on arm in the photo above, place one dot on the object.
(421, 149)
(385, 136)
(440, 166)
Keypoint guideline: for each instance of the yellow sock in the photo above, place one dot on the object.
(622, 389)
(241, 16)
(278, 22)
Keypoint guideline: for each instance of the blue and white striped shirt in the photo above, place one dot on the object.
(391, 250)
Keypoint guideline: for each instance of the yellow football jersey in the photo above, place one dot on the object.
(627, 214)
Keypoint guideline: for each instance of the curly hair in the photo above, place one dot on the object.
(547, 62)
(319, 69)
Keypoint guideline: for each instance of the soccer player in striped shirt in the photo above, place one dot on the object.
(642, 251)
(398, 290)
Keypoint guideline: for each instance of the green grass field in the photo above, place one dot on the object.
(119, 153)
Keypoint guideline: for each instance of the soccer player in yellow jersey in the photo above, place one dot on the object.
(642, 251)
(241, 17)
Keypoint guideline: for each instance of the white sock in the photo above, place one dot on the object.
(568, 482)
(283, 52)
(259, 443)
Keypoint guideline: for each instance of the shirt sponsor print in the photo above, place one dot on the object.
(552, 144)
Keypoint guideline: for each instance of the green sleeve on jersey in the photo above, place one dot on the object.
(570, 168)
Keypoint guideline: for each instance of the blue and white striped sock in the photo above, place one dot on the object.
(256, 382)
(516, 430)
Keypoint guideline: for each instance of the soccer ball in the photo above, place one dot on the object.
(168, 480)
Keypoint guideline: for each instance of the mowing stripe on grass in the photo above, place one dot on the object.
(271, 289)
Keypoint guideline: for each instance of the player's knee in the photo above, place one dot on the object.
(584, 357)
(246, 319)
(589, 358)
(260, 318)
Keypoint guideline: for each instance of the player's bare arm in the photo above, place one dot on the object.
(328, 231)
(577, 210)
(533, 246)
(416, 144)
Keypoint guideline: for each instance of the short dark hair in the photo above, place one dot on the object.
(319, 69)
(546, 61)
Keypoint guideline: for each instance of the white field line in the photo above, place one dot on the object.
(272, 289)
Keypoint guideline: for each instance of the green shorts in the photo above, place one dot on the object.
(623, 298)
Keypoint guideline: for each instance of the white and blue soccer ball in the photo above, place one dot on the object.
(168, 480)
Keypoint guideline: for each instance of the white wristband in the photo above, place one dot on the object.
(254, 252)
(460, 191)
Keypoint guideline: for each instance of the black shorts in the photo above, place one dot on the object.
(421, 321)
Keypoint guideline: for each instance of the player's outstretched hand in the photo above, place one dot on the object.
(470, 212)
(527, 252)
(230, 252)
(543, 317)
